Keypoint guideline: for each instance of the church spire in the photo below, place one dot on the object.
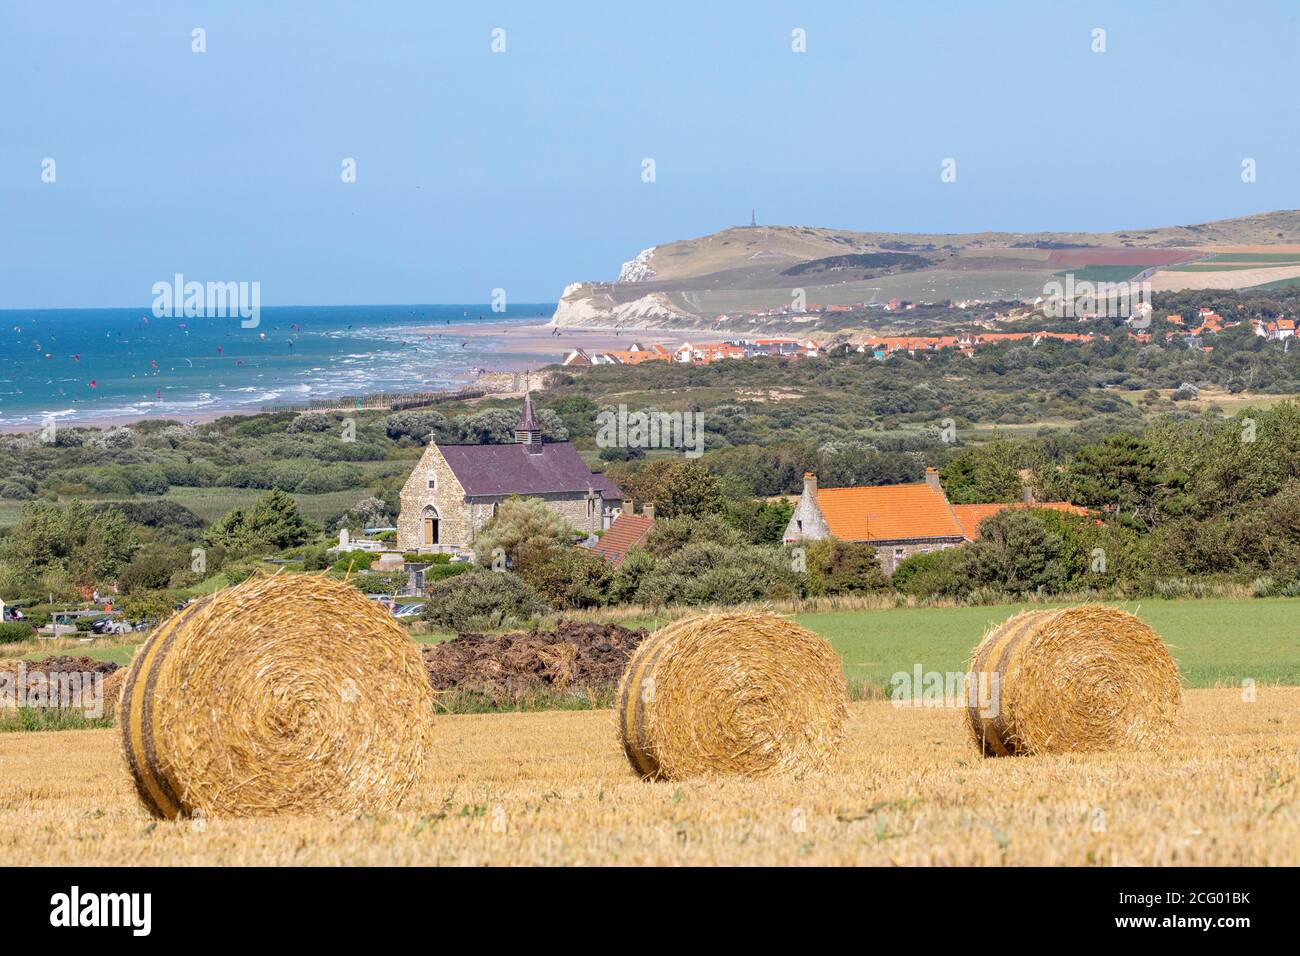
(529, 430)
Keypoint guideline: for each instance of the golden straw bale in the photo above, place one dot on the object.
(285, 694)
(1084, 678)
(739, 693)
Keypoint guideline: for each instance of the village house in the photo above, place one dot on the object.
(625, 532)
(1275, 331)
(455, 489)
(897, 520)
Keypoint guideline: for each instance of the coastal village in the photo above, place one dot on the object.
(1192, 334)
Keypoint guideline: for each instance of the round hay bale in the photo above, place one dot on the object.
(285, 694)
(747, 694)
(1084, 678)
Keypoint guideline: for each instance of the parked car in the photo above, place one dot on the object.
(407, 610)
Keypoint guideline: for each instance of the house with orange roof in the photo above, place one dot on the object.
(625, 532)
(1275, 331)
(899, 521)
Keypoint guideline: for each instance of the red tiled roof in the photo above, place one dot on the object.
(624, 532)
(970, 516)
(888, 513)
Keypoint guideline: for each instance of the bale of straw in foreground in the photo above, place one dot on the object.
(1084, 678)
(285, 694)
(731, 693)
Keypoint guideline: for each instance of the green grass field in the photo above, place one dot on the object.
(1277, 284)
(1270, 257)
(1216, 641)
(1228, 266)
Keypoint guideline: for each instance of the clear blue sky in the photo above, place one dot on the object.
(522, 170)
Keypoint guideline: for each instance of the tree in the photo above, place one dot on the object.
(984, 474)
(676, 487)
(90, 547)
(761, 522)
(1121, 474)
(689, 489)
(521, 523)
(272, 524)
(1015, 554)
(367, 513)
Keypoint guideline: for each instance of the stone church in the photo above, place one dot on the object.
(455, 489)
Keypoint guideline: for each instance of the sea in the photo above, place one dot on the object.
(98, 365)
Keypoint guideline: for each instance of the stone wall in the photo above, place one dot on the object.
(455, 522)
(886, 552)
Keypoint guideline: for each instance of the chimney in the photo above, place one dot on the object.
(649, 511)
(629, 507)
(810, 484)
(932, 479)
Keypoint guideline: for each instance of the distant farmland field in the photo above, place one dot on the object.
(1102, 273)
(1256, 257)
(1220, 267)
(1279, 284)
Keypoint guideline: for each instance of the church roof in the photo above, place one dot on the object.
(528, 421)
(514, 470)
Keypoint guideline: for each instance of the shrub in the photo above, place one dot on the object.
(842, 567)
(154, 514)
(567, 577)
(150, 605)
(482, 600)
(16, 490)
(934, 574)
(417, 426)
(706, 572)
(355, 561)
(371, 582)
(636, 564)
(673, 534)
(440, 572)
(148, 571)
(11, 632)
(311, 422)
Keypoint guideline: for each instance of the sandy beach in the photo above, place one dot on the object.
(551, 344)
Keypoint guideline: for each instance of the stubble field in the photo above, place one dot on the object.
(554, 788)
